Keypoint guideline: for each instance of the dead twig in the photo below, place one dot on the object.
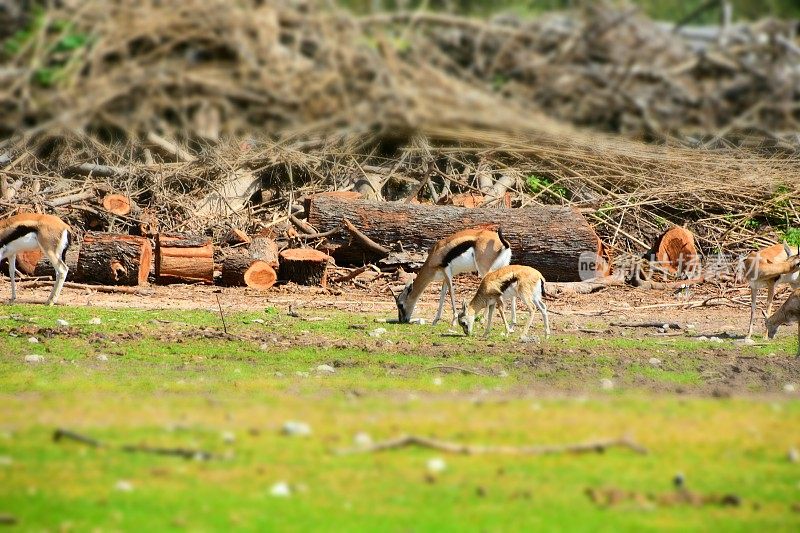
(403, 441)
(368, 243)
(187, 453)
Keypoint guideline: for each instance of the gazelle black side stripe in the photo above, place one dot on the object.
(507, 283)
(17, 233)
(457, 250)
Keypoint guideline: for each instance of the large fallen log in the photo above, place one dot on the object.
(552, 239)
(26, 262)
(44, 268)
(114, 259)
(184, 259)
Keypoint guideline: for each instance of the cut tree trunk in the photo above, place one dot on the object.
(554, 240)
(304, 266)
(184, 259)
(266, 250)
(44, 268)
(117, 204)
(243, 271)
(236, 236)
(675, 250)
(114, 259)
(26, 262)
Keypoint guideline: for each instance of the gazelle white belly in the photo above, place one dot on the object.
(463, 263)
(503, 259)
(23, 244)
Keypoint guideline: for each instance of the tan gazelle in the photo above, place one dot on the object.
(470, 250)
(509, 281)
(768, 267)
(789, 312)
(29, 231)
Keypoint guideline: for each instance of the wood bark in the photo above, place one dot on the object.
(266, 250)
(241, 270)
(340, 195)
(184, 258)
(551, 239)
(114, 259)
(44, 268)
(304, 266)
(236, 236)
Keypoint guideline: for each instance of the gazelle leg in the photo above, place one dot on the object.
(513, 311)
(452, 301)
(770, 297)
(753, 298)
(442, 296)
(509, 329)
(798, 338)
(61, 269)
(12, 273)
(543, 310)
(489, 321)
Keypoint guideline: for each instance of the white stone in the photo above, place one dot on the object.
(715, 339)
(123, 485)
(655, 361)
(61, 322)
(665, 327)
(362, 439)
(325, 369)
(95, 321)
(102, 357)
(793, 455)
(702, 338)
(377, 332)
(280, 489)
(789, 388)
(301, 374)
(606, 384)
(5, 460)
(436, 465)
(34, 358)
(294, 428)
(748, 340)
(437, 381)
(257, 321)
(33, 340)
(228, 437)
(420, 321)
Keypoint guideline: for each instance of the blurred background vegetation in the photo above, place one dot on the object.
(673, 10)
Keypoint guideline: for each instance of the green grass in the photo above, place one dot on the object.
(172, 379)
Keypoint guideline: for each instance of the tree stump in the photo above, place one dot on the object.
(114, 259)
(243, 271)
(236, 236)
(184, 259)
(304, 266)
(26, 262)
(265, 249)
(44, 268)
(675, 251)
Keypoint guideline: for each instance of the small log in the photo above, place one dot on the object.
(26, 262)
(44, 268)
(266, 250)
(236, 236)
(114, 259)
(304, 266)
(241, 270)
(184, 258)
(117, 204)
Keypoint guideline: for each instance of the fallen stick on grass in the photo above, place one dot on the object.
(670, 325)
(140, 291)
(403, 441)
(187, 453)
(458, 369)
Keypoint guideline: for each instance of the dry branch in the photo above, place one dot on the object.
(186, 453)
(403, 441)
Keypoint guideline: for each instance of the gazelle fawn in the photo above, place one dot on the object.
(470, 250)
(768, 267)
(509, 281)
(789, 312)
(29, 231)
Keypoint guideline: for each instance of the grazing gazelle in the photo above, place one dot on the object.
(767, 268)
(29, 231)
(513, 280)
(470, 250)
(789, 312)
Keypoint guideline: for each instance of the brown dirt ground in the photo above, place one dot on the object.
(726, 369)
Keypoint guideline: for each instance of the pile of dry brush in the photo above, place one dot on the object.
(210, 115)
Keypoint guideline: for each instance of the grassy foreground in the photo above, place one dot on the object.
(171, 379)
